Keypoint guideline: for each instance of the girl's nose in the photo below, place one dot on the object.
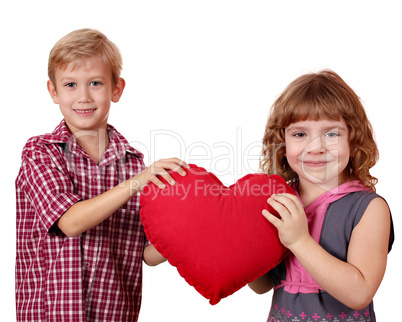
(317, 145)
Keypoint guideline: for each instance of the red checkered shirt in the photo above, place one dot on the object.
(96, 276)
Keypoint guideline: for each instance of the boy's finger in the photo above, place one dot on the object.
(158, 182)
(165, 175)
(169, 179)
(178, 166)
(180, 163)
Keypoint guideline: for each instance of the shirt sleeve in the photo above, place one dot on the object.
(45, 181)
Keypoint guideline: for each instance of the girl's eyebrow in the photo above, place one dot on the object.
(293, 127)
(298, 127)
(339, 128)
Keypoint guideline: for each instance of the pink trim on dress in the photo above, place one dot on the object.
(298, 280)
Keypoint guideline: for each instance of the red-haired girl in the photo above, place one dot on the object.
(338, 230)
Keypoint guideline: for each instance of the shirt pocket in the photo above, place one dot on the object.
(128, 233)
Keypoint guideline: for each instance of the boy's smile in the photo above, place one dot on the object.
(85, 112)
(84, 94)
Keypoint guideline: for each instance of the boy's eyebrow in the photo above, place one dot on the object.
(71, 78)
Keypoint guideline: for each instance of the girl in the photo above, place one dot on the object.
(337, 229)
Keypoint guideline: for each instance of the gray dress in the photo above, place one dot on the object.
(340, 218)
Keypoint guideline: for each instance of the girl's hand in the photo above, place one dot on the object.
(292, 225)
(160, 168)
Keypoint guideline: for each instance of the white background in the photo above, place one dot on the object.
(201, 77)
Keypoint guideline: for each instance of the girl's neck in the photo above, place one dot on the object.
(310, 191)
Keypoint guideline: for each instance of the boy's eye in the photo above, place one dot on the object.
(95, 83)
(70, 84)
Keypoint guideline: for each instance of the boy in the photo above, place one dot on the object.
(80, 242)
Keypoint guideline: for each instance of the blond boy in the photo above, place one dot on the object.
(80, 242)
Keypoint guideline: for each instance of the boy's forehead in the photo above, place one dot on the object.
(85, 64)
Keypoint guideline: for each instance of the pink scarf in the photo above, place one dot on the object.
(297, 278)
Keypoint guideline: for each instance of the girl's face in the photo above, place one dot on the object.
(318, 151)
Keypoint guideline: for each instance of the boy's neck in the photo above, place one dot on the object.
(94, 143)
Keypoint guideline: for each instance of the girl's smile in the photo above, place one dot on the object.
(315, 164)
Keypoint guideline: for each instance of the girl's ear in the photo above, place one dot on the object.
(118, 90)
(52, 91)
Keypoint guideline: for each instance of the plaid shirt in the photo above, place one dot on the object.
(96, 276)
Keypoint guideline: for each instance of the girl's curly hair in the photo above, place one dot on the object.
(315, 96)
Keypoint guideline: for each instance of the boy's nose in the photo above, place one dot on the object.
(84, 96)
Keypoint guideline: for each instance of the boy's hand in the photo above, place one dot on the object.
(160, 168)
(88, 213)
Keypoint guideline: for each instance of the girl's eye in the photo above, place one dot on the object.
(299, 134)
(332, 134)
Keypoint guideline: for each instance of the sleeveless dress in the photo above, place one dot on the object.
(332, 218)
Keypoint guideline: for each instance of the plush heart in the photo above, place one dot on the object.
(215, 235)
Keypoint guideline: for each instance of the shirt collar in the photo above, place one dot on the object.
(118, 145)
(61, 134)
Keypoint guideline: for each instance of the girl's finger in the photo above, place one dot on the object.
(295, 200)
(280, 208)
(288, 203)
(271, 218)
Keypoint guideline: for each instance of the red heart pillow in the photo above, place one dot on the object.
(215, 235)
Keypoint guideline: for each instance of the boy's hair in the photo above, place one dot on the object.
(82, 44)
(315, 96)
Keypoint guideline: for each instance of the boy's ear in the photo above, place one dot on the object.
(52, 91)
(118, 90)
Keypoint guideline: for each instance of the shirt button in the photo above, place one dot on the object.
(87, 264)
(94, 179)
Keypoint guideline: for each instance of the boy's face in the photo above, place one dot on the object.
(84, 94)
